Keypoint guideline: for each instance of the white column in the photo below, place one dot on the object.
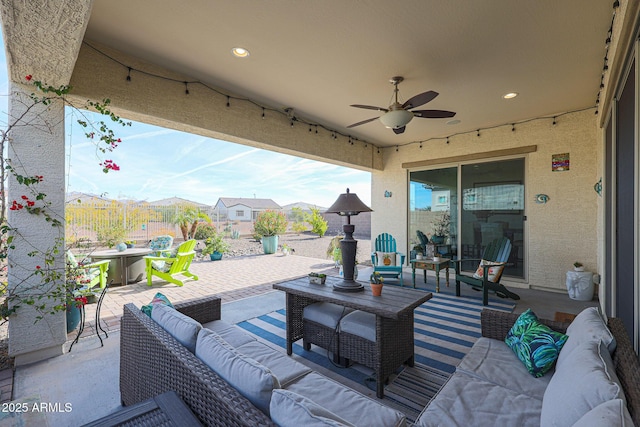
(36, 148)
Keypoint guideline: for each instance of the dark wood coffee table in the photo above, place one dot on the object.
(393, 310)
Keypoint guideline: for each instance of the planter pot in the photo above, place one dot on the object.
(270, 244)
(438, 240)
(216, 256)
(317, 280)
(73, 317)
(376, 289)
(129, 245)
(578, 268)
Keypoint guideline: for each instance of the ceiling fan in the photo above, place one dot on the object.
(397, 115)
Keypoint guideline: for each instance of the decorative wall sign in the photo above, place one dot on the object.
(598, 187)
(542, 198)
(560, 162)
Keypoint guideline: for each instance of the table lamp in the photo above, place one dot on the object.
(348, 204)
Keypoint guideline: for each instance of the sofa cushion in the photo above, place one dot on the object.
(612, 413)
(467, 401)
(253, 380)
(346, 403)
(580, 384)
(282, 366)
(234, 335)
(157, 299)
(183, 328)
(535, 344)
(493, 361)
(289, 409)
(587, 326)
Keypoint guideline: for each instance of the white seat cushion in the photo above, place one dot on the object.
(468, 401)
(493, 361)
(346, 403)
(232, 334)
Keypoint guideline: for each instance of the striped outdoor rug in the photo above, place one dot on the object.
(445, 329)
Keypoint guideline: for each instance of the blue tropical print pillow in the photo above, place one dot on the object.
(158, 299)
(536, 345)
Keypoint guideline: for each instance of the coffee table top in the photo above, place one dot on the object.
(394, 301)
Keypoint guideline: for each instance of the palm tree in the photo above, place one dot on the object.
(188, 219)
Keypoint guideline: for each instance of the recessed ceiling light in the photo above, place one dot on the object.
(453, 122)
(510, 95)
(240, 52)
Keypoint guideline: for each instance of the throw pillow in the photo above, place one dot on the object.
(289, 409)
(578, 387)
(386, 259)
(536, 345)
(157, 299)
(587, 326)
(493, 273)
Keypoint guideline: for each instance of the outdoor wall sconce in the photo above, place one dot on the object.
(388, 193)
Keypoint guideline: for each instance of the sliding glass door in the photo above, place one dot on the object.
(492, 195)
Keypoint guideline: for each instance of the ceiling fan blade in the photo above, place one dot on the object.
(369, 107)
(433, 114)
(419, 99)
(398, 131)
(362, 122)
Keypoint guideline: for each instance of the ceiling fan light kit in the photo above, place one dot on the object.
(397, 116)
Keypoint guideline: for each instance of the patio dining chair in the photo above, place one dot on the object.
(489, 272)
(386, 260)
(171, 268)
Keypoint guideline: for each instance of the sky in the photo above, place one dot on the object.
(157, 163)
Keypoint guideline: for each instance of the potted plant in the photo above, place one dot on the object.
(577, 266)
(215, 246)
(269, 224)
(441, 228)
(287, 250)
(317, 278)
(416, 252)
(130, 243)
(376, 280)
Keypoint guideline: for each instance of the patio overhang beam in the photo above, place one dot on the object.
(473, 156)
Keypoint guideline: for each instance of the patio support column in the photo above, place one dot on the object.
(36, 147)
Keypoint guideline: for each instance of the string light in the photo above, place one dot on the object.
(447, 142)
(263, 115)
(554, 121)
(421, 145)
(228, 101)
(478, 133)
(129, 75)
(513, 127)
(186, 88)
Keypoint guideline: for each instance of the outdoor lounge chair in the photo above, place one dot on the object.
(88, 275)
(386, 260)
(171, 268)
(487, 277)
(161, 245)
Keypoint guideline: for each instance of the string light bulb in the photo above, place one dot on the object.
(228, 101)
(129, 74)
(186, 88)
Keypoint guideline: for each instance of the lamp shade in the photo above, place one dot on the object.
(395, 119)
(348, 204)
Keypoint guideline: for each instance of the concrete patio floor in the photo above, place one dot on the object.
(82, 385)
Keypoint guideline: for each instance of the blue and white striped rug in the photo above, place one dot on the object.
(446, 327)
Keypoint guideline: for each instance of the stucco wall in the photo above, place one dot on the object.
(556, 233)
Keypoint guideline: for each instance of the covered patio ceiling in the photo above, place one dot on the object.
(320, 57)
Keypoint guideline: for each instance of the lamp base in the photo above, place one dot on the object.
(348, 286)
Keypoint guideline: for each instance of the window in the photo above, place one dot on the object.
(239, 213)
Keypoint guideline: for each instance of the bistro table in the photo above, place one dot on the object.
(430, 264)
(126, 267)
(393, 310)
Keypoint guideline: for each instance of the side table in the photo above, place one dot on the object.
(166, 409)
(429, 264)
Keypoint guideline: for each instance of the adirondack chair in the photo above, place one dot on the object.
(87, 275)
(170, 268)
(161, 245)
(386, 260)
(487, 276)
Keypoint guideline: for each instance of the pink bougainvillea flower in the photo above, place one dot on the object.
(29, 77)
(25, 198)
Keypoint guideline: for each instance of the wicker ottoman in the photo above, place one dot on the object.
(320, 323)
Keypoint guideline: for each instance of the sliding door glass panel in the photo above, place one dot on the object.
(493, 207)
(433, 194)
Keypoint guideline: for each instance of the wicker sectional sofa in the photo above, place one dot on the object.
(152, 362)
(491, 387)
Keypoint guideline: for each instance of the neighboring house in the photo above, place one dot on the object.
(241, 209)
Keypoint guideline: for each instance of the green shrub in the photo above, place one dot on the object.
(270, 223)
(317, 222)
(204, 231)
